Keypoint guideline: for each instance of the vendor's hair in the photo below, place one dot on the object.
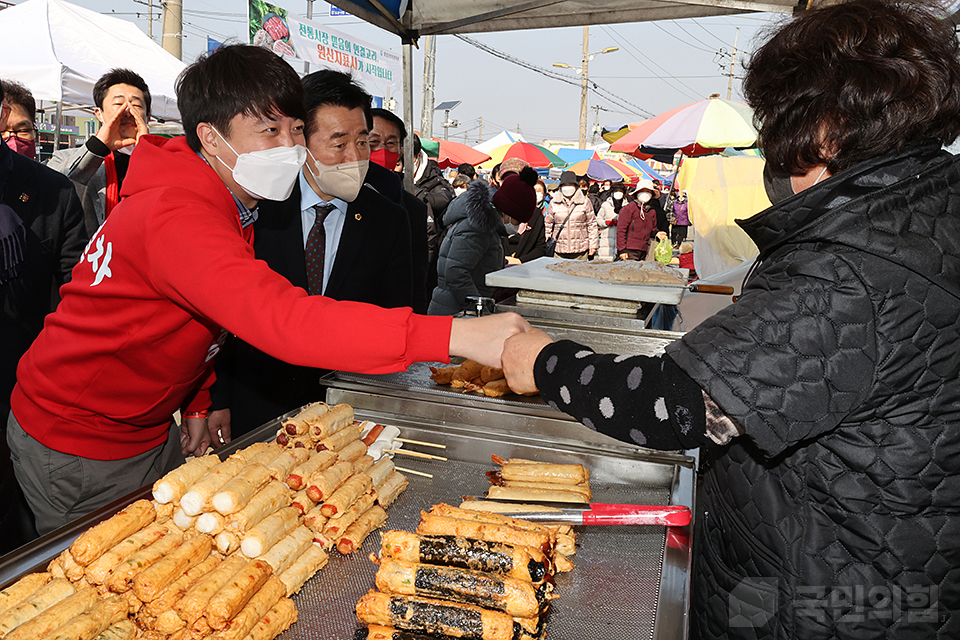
(328, 87)
(120, 76)
(15, 93)
(390, 116)
(468, 170)
(233, 80)
(849, 82)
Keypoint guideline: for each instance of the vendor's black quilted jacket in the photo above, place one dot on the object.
(837, 515)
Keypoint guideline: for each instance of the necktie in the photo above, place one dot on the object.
(315, 250)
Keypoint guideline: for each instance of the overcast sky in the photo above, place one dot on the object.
(660, 65)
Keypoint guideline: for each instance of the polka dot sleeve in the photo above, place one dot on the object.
(640, 400)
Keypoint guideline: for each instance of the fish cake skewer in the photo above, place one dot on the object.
(94, 542)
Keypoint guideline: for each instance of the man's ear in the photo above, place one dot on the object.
(99, 113)
(209, 140)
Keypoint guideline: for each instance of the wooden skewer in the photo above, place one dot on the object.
(426, 444)
(416, 473)
(415, 454)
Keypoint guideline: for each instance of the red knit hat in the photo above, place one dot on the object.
(516, 196)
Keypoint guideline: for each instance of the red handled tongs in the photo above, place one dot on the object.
(601, 513)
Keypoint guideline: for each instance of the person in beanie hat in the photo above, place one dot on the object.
(637, 223)
(529, 242)
(570, 220)
(473, 246)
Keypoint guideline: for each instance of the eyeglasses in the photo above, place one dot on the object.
(23, 134)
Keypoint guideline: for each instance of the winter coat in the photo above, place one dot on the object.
(434, 189)
(529, 243)
(472, 248)
(681, 218)
(608, 232)
(836, 514)
(636, 224)
(579, 234)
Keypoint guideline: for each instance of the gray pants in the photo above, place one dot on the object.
(60, 487)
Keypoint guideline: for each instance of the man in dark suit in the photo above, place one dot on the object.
(334, 236)
(41, 237)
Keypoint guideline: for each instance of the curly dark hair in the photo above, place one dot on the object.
(846, 83)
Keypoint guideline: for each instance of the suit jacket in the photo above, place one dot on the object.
(373, 265)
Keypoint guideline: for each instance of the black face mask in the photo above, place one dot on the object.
(778, 189)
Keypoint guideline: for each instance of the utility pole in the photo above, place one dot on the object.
(583, 87)
(173, 27)
(733, 60)
(150, 20)
(596, 124)
(429, 94)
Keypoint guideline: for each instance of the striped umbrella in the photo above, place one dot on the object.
(596, 169)
(536, 156)
(448, 153)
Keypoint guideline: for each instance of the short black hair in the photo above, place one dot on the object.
(390, 116)
(417, 145)
(237, 79)
(15, 93)
(328, 87)
(468, 170)
(120, 76)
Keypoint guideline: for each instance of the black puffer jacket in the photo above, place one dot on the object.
(472, 248)
(837, 515)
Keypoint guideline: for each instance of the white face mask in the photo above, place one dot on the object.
(644, 196)
(268, 174)
(618, 195)
(459, 190)
(539, 197)
(342, 180)
(568, 190)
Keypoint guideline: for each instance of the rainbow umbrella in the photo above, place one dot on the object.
(536, 156)
(644, 169)
(695, 129)
(596, 169)
(448, 153)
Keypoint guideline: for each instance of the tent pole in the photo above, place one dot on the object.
(408, 114)
(56, 144)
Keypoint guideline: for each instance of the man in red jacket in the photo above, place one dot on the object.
(168, 275)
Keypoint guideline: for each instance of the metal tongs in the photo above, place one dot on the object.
(602, 513)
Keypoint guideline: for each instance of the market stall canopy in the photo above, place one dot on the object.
(430, 17)
(536, 156)
(448, 153)
(499, 140)
(59, 50)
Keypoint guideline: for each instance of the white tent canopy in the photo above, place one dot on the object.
(502, 138)
(59, 50)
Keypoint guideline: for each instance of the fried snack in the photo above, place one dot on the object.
(182, 520)
(505, 508)
(530, 471)
(36, 603)
(314, 520)
(509, 595)
(192, 605)
(266, 456)
(548, 495)
(495, 388)
(123, 630)
(439, 525)
(266, 501)
(98, 539)
(340, 439)
(248, 453)
(227, 542)
(165, 511)
(523, 563)
(479, 516)
(55, 615)
(180, 587)
(304, 441)
(339, 417)
(275, 622)
(466, 372)
(300, 424)
(168, 623)
(268, 531)
(489, 374)
(236, 593)
(562, 563)
(71, 570)
(210, 523)
(239, 489)
(258, 606)
(427, 615)
(335, 527)
(382, 470)
(19, 590)
(443, 375)
(322, 485)
(199, 495)
(389, 490)
(281, 466)
(364, 462)
(148, 584)
(581, 489)
(303, 568)
(291, 547)
(371, 436)
(356, 533)
(347, 494)
(171, 487)
(317, 463)
(302, 502)
(121, 577)
(352, 452)
(93, 622)
(566, 544)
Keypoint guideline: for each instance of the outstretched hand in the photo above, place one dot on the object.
(481, 339)
(519, 355)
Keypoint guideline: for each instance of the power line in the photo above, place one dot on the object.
(688, 44)
(624, 45)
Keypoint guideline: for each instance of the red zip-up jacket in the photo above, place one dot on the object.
(157, 288)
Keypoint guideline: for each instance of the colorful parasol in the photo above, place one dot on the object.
(538, 157)
(597, 169)
(695, 129)
(452, 154)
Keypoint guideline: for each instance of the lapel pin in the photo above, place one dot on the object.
(24, 197)
(357, 216)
